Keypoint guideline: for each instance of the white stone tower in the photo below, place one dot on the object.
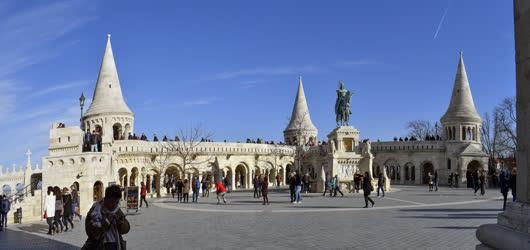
(461, 122)
(300, 129)
(108, 111)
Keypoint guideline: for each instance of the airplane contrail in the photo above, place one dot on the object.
(441, 22)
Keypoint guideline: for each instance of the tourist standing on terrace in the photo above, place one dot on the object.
(255, 185)
(5, 206)
(482, 183)
(367, 189)
(186, 191)
(292, 187)
(435, 180)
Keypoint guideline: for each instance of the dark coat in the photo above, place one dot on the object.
(67, 201)
(96, 234)
(367, 185)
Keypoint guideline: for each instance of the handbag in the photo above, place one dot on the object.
(45, 216)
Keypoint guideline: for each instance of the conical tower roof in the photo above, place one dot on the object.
(461, 108)
(300, 118)
(107, 96)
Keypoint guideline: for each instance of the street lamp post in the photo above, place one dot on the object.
(81, 104)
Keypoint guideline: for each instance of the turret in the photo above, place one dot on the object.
(300, 130)
(461, 121)
(108, 113)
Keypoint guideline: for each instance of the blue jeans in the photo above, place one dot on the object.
(382, 190)
(3, 220)
(297, 191)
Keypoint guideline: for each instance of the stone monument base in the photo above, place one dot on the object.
(511, 232)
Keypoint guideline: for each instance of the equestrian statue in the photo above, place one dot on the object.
(342, 105)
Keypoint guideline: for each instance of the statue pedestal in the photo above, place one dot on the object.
(511, 232)
(346, 138)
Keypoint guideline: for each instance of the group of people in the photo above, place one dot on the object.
(92, 141)
(478, 182)
(332, 186)
(5, 206)
(433, 181)
(452, 180)
(413, 138)
(261, 187)
(60, 208)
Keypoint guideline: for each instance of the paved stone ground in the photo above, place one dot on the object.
(409, 218)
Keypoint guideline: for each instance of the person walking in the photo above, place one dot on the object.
(367, 189)
(292, 187)
(5, 206)
(67, 211)
(430, 180)
(75, 203)
(221, 192)
(186, 191)
(196, 187)
(482, 183)
(474, 178)
(105, 223)
(265, 190)
(380, 184)
(260, 182)
(513, 185)
(278, 180)
(143, 193)
(179, 187)
(59, 208)
(255, 185)
(298, 188)
(305, 182)
(333, 184)
(204, 186)
(337, 187)
(435, 180)
(327, 185)
(49, 210)
(504, 182)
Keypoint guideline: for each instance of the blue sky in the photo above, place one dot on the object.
(233, 65)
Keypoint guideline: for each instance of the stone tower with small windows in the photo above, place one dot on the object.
(108, 113)
(300, 130)
(461, 121)
(462, 126)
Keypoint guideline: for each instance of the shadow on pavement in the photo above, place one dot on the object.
(455, 227)
(450, 210)
(20, 240)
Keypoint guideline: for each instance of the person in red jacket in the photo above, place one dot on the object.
(143, 193)
(221, 191)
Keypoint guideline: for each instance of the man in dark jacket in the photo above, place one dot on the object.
(367, 189)
(105, 222)
(435, 180)
(380, 184)
(5, 206)
(504, 181)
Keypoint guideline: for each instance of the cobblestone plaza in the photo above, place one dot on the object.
(410, 217)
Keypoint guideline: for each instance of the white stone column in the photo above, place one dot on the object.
(512, 230)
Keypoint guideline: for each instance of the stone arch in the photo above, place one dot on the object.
(127, 130)
(98, 191)
(175, 171)
(123, 174)
(241, 175)
(134, 177)
(392, 169)
(117, 131)
(426, 168)
(409, 169)
(36, 181)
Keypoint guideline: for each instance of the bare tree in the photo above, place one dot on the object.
(490, 138)
(186, 149)
(506, 113)
(422, 128)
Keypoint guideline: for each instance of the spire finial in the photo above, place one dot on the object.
(108, 35)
